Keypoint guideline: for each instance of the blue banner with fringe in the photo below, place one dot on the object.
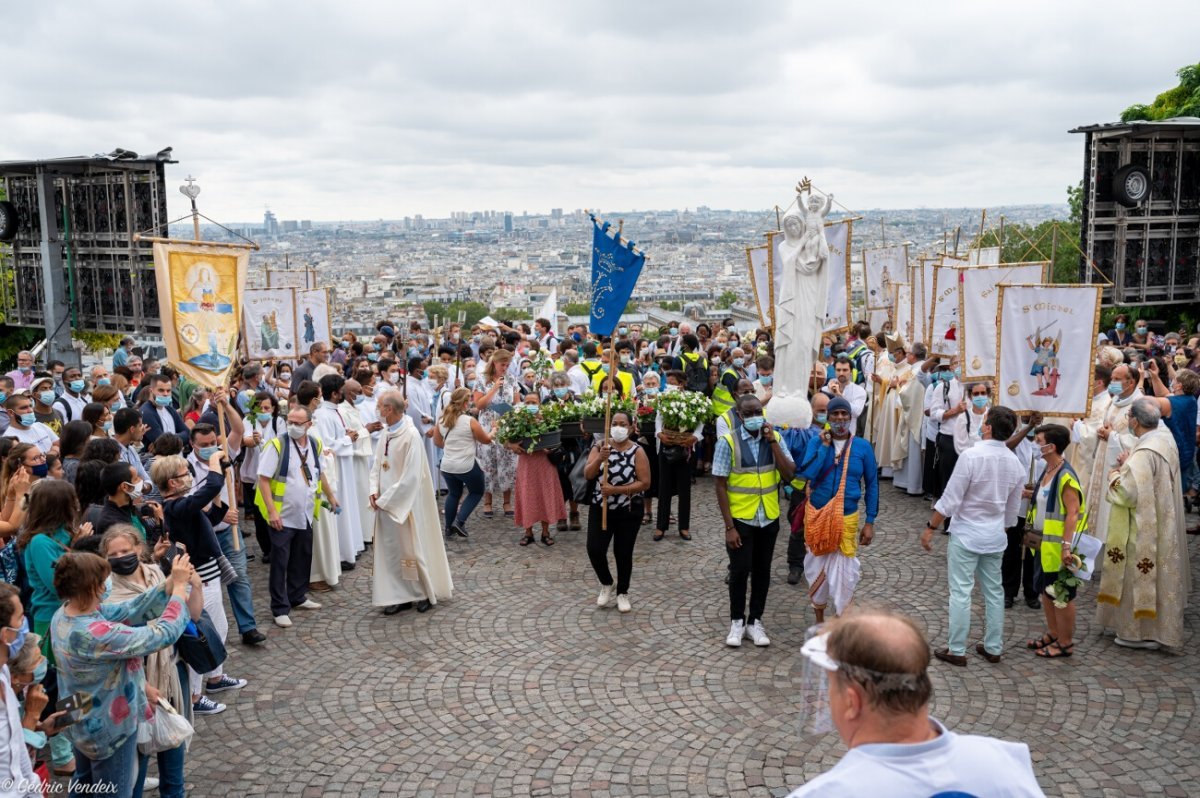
(616, 267)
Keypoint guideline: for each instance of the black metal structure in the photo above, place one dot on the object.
(73, 262)
(1141, 210)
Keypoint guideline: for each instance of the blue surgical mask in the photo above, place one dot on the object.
(531, 409)
(104, 381)
(979, 401)
(22, 631)
(738, 362)
(826, 351)
(958, 373)
(27, 419)
(107, 588)
(767, 379)
(358, 400)
(754, 423)
(651, 392)
(1120, 325)
(373, 357)
(40, 470)
(76, 385)
(24, 369)
(821, 418)
(674, 331)
(623, 330)
(345, 344)
(3, 397)
(47, 397)
(561, 392)
(396, 427)
(1114, 388)
(162, 401)
(108, 427)
(205, 453)
(839, 427)
(263, 418)
(39, 673)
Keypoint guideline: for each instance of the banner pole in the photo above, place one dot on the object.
(612, 367)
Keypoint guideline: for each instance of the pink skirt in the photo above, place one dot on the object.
(538, 492)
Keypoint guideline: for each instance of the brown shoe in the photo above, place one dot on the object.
(983, 652)
(954, 659)
(320, 587)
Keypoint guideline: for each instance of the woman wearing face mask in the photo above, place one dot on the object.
(23, 465)
(457, 434)
(263, 424)
(968, 426)
(839, 467)
(627, 478)
(538, 497)
(132, 576)
(570, 450)
(1120, 335)
(98, 416)
(94, 644)
(1141, 336)
(22, 667)
(495, 393)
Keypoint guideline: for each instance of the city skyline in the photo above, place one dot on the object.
(383, 111)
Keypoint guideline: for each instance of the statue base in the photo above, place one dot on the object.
(789, 412)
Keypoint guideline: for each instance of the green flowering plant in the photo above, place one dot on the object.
(1060, 591)
(522, 424)
(542, 365)
(564, 412)
(594, 406)
(683, 411)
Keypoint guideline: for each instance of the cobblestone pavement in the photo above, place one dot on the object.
(519, 685)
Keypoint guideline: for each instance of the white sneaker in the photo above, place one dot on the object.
(607, 592)
(309, 604)
(1151, 645)
(150, 784)
(283, 621)
(623, 604)
(758, 634)
(737, 630)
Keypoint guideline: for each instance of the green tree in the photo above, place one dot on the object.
(473, 311)
(1183, 100)
(577, 308)
(1075, 200)
(726, 300)
(671, 305)
(511, 313)
(96, 341)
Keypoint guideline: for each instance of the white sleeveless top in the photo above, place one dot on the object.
(458, 455)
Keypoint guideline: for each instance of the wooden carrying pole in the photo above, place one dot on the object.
(611, 381)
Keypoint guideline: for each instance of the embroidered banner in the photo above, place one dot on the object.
(312, 315)
(199, 297)
(902, 318)
(978, 299)
(987, 256)
(882, 268)
(761, 283)
(943, 318)
(1046, 340)
(269, 323)
(615, 270)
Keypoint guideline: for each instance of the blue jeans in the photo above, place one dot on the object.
(962, 567)
(114, 777)
(472, 481)
(170, 773)
(239, 590)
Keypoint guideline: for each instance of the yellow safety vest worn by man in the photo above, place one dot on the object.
(279, 479)
(624, 377)
(753, 481)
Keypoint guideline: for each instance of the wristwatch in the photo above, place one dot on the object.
(930, 527)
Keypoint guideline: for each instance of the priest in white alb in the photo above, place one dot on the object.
(892, 373)
(339, 439)
(352, 400)
(410, 556)
(1115, 439)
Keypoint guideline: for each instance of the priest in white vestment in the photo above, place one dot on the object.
(363, 453)
(410, 555)
(892, 373)
(420, 410)
(1085, 436)
(339, 439)
(1115, 440)
(910, 430)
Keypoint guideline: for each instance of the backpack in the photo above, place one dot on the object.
(695, 374)
(66, 408)
(857, 354)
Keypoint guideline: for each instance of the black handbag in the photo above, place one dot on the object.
(582, 488)
(202, 649)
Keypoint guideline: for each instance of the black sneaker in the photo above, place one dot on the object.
(457, 529)
(1008, 603)
(794, 574)
(253, 638)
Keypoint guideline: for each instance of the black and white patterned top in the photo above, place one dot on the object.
(622, 470)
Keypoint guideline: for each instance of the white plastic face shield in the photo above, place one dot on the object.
(816, 716)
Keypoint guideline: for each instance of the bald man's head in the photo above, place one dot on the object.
(886, 656)
(820, 402)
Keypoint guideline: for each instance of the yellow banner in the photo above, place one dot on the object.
(199, 299)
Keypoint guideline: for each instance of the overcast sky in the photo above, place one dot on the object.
(360, 110)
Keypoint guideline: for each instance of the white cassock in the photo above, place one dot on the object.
(335, 433)
(326, 566)
(1120, 440)
(420, 405)
(369, 413)
(911, 437)
(410, 555)
(363, 451)
(890, 446)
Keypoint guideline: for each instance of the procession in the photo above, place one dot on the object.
(646, 400)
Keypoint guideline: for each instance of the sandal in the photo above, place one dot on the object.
(1045, 640)
(546, 540)
(525, 541)
(683, 533)
(487, 513)
(658, 534)
(1063, 651)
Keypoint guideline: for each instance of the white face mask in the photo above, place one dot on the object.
(620, 434)
(393, 377)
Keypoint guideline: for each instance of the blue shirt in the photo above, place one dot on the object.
(1182, 423)
(120, 357)
(796, 442)
(723, 464)
(819, 464)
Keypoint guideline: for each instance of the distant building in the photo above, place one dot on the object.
(290, 226)
(508, 223)
(306, 224)
(270, 224)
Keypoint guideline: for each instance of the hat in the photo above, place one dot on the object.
(387, 330)
(838, 403)
(894, 343)
(39, 380)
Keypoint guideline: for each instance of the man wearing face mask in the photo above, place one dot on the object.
(1084, 433)
(839, 467)
(749, 466)
(983, 496)
(25, 427)
(339, 438)
(1115, 438)
(70, 405)
(158, 413)
(44, 397)
(867, 674)
(124, 491)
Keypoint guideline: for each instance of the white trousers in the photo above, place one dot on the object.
(214, 605)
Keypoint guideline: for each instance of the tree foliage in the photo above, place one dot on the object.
(1183, 100)
(474, 311)
(671, 305)
(512, 313)
(96, 341)
(585, 309)
(726, 300)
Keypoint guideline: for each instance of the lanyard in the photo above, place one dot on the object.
(303, 463)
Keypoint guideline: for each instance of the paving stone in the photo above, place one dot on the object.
(519, 685)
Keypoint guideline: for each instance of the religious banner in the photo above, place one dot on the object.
(943, 316)
(987, 256)
(902, 318)
(882, 269)
(312, 316)
(616, 266)
(269, 323)
(837, 305)
(978, 299)
(199, 293)
(926, 298)
(761, 283)
(291, 278)
(1046, 339)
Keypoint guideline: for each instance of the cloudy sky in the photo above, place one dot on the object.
(369, 109)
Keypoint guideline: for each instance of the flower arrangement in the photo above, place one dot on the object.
(563, 412)
(683, 411)
(594, 406)
(522, 425)
(1067, 579)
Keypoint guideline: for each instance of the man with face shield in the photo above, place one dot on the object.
(867, 676)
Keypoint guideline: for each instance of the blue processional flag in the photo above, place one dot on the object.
(615, 270)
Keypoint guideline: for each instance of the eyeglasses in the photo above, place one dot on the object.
(184, 475)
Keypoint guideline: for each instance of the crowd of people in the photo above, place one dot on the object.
(124, 492)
